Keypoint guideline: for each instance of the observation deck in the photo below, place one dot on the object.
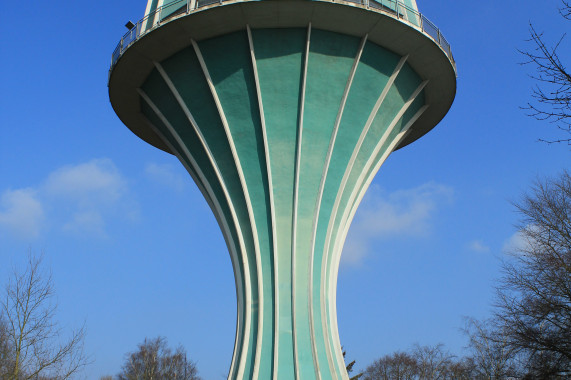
(181, 8)
(392, 24)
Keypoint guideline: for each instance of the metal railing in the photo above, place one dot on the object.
(161, 15)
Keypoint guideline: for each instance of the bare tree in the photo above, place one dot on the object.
(492, 357)
(33, 339)
(432, 361)
(533, 309)
(6, 350)
(552, 94)
(154, 360)
(421, 363)
(396, 366)
(463, 369)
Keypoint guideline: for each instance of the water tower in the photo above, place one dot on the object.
(282, 111)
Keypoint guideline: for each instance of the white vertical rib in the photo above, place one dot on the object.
(147, 11)
(417, 17)
(345, 228)
(371, 175)
(354, 200)
(318, 208)
(295, 201)
(203, 180)
(209, 154)
(160, 4)
(367, 175)
(402, 134)
(246, 196)
(337, 248)
(272, 208)
(327, 262)
(155, 16)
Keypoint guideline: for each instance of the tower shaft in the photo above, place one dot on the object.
(283, 112)
(283, 130)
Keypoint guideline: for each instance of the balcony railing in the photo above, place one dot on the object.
(395, 8)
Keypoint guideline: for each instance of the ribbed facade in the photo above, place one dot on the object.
(283, 130)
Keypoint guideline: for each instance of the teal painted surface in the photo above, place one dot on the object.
(151, 19)
(330, 61)
(279, 55)
(172, 6)
(230, 67)
(405, 84)
(188, 81)
(411, 4)
(217, 193)
(186, 73)
(153, 5)
(411, 12)
(412, 110)
(406, 9)
(371, 76)
(389, 4)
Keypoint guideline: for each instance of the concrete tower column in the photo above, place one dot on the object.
(283, 112)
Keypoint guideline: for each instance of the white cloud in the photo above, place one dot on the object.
(21, 213)
(519, 242)
(78, 199)
(98, 180)
(403, 213)
(165, 175)
(86, 222)
(478, 246)
(93, 192)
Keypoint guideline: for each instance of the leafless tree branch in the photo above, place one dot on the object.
(552, 93)
(35, 342)
(155, 360)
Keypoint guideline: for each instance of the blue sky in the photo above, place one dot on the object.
(135, 251)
